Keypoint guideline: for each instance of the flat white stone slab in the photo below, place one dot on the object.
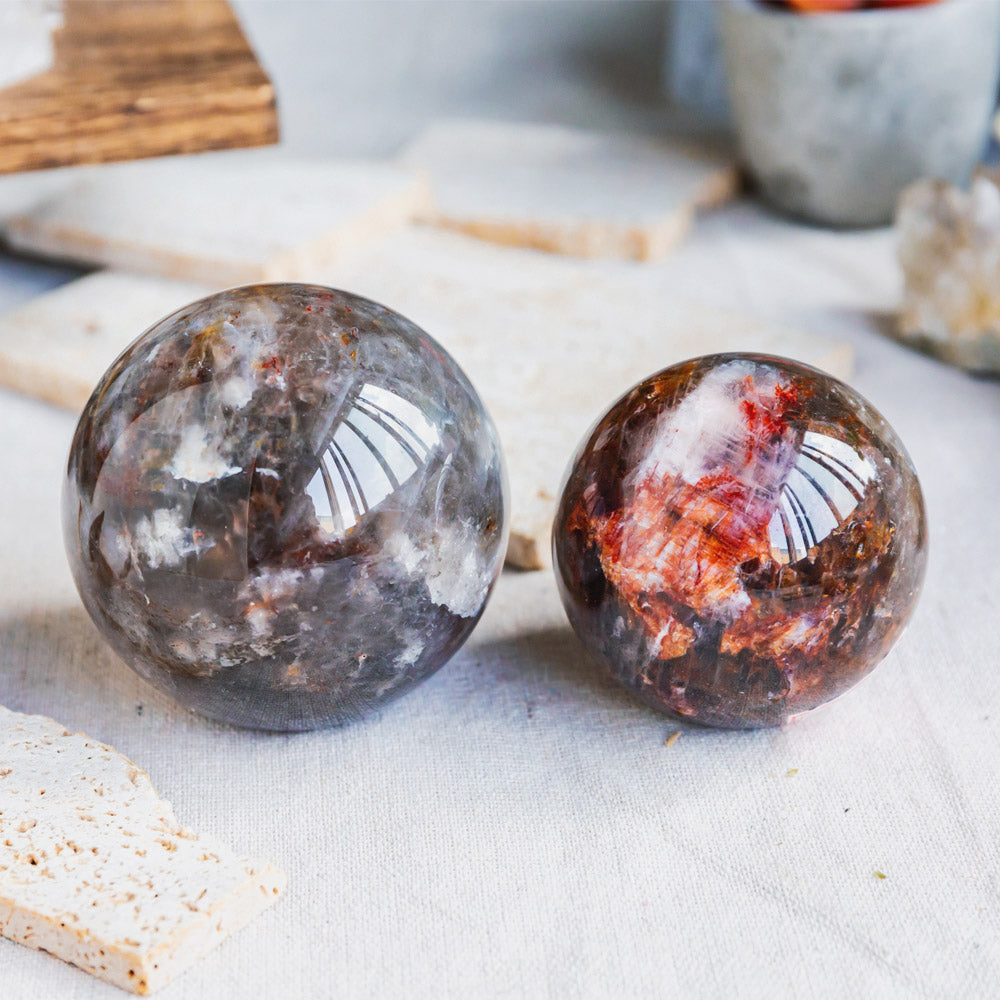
(549, 343)
(222, 219)
(96, 870)
(57, 346)
(949, 250)
(567, 191)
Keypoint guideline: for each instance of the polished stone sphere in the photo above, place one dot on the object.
(740, 539)
(285, 505)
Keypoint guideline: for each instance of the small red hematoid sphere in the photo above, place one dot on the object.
(741, 538)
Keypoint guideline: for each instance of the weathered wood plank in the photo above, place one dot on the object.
(138, 80)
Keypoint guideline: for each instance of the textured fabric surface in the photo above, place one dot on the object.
(516, 826)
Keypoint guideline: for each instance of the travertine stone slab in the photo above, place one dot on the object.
(96, 870)
(568, 191)
(26, 28)
(223, 219)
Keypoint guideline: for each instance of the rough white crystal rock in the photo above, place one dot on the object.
(949, 248)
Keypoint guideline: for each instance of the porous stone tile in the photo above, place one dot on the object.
(96, 870)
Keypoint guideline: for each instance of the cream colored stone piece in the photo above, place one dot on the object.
(550, 344)
(58, 345)
(583, 194)
(96, 870)
(222, 219)
(949, 249)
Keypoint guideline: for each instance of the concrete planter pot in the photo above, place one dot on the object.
(836, 113)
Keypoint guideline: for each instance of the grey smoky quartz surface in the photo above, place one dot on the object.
(285, 506)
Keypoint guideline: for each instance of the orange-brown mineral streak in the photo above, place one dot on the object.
(677, 543)
(777, 636)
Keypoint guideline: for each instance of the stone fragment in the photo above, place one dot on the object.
(567, 191)
(220, 219)
(96, 870)
(949, 249)
(740, 540)
(285, 506)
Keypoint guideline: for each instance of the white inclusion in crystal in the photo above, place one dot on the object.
(459, 582)
(206, 638)
(708, 431)
(164, 539)
(235, 391)
(197, 459)
(410, 653)
(267, 592)
(381, 442)
(116, 546)
(695, 438)
(274, 584)
(259, 620)
(405, 552)
(449, 567)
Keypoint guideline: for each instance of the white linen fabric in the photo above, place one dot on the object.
(516, 826)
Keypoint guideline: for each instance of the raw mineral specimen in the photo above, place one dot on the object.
(285, 505)
(949, 248)
(741, 538)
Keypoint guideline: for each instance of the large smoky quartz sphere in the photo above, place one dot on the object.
(285, 505)
(740, 539)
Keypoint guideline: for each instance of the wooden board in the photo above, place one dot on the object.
(132, 80)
